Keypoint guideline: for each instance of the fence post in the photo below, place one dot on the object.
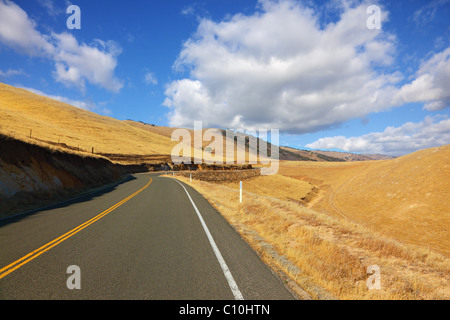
(240, 192)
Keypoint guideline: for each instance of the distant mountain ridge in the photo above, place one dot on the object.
(292, 154)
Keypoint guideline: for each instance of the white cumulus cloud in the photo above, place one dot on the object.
(431, 84)
(278, 68)
(75, 63)
(394, 141)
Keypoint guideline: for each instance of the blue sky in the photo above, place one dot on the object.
(312, 69)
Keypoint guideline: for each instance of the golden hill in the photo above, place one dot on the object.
(49, 122)
(40, 120)
(405, 198)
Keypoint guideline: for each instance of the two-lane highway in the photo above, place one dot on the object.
(148, 238)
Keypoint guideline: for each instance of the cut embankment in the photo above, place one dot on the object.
(32, 176)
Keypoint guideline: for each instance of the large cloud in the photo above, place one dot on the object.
(280, 69)
(432, 83)
(74, 63)
(395, 141)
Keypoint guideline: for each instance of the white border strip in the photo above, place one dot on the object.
(233, 286)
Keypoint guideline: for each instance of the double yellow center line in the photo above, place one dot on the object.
(36, 253)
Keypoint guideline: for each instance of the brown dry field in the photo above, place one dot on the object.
(275, 186)
(405, 198)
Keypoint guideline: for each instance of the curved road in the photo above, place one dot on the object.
(147, 238)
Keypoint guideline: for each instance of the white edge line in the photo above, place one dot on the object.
(233, 286)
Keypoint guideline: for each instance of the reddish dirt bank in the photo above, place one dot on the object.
(32, 176)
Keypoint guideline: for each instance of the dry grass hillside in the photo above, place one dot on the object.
(56, 124)
(406, 198)
(274, 186)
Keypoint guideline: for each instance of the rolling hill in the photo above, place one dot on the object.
(288, 153)
(41, 120)
(405, 198)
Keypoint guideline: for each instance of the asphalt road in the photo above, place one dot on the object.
(142, 239)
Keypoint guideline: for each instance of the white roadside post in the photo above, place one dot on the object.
(240, 192)
(190, 177)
